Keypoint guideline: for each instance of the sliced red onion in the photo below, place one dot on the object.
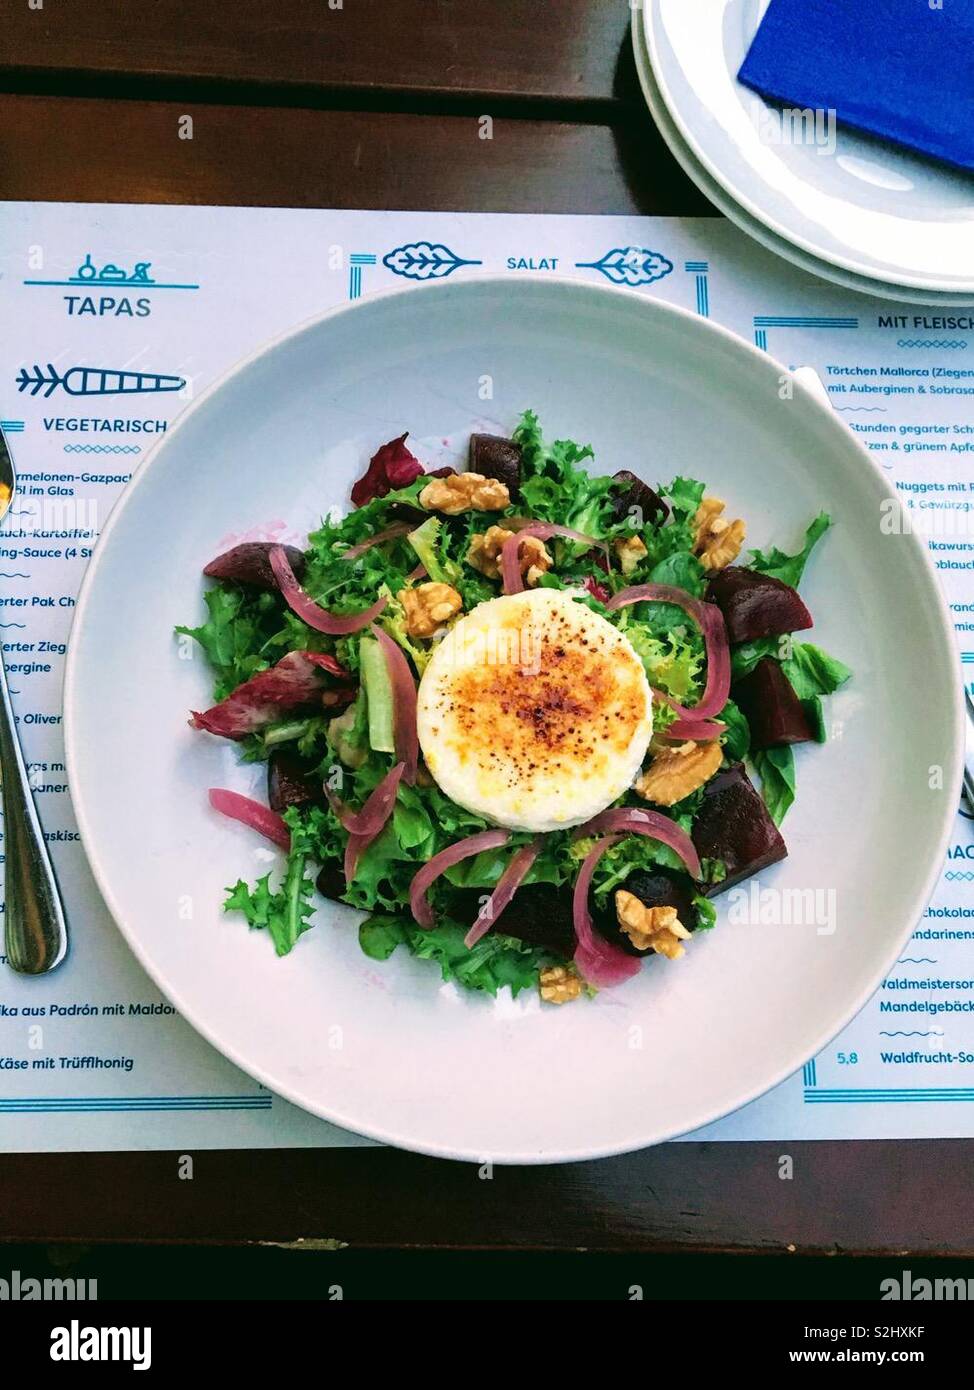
(354, 849)
(711, 623)
(695, 730)
(463, 849)
(260, 818)
(398, 528)
(311, 612)
(418, 573)
(404, 704)
(633, 820)
(598, 962)
(508, 884)
(510, 550)
(523, 523)
(371, 819)
(368, 824)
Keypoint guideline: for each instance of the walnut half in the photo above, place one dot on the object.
(428, 607)
(718, 541)
(559, 984)
(464, 492)
(650, 928)
(484, 554)
(677, 771)
(630, 550)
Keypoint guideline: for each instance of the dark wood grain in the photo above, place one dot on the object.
(866, 1197)
(564, 50)
(78, 149)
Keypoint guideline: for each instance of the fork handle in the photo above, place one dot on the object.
(35, 931)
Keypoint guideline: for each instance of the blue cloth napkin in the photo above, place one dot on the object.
(899, 69)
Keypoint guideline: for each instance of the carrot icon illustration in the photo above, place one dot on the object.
(94, 381)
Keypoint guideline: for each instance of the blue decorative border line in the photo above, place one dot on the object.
(104, 1104)
(877, 1095)
(802, 321)
(146, 285)
(356, 261)
(762, 322)
(700, 269)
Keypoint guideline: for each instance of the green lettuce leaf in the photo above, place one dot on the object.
(672, 663)
(234, 635)
(380, 934)
(684, 496)
(813, 672)
(682, 570)
(494, 962)
(631, 853)
(284, 911)
(706, 912)
(789, 568)
(429, 541)
(556, 489)
(746, 655)
(737, 739)
(776, 768)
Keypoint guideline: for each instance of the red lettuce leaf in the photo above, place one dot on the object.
(392, 467)
(296, 680)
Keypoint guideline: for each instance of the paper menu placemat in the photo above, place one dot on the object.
(116, 316)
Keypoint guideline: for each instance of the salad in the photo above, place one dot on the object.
(513, 713)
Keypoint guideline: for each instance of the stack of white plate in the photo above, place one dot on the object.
(861, 213)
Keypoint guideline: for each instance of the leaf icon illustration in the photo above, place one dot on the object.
(424, 260)
(630, 265)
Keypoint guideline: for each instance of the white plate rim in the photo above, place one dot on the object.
(788, 251)
(908, 280)
(440, 1150)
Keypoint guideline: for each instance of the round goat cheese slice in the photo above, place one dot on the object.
(534, 712)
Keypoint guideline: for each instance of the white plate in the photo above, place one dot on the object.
(387, 1049)
(847, 279)
(867, 207)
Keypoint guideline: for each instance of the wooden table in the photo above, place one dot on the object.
(374, 104)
